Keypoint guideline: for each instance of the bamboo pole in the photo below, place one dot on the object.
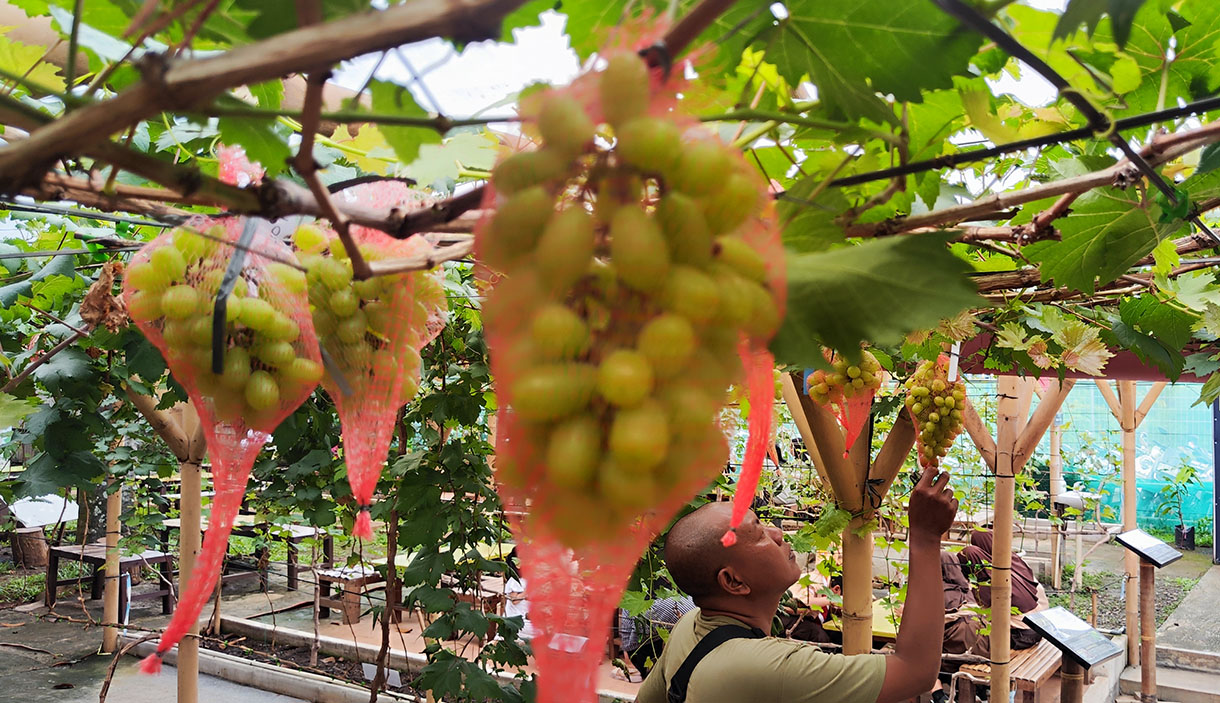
(1126, 401)
(979, 435)
(188, 551)
(1147, 632)
(857, 554)
(1071, 684)
(1056, 467)
(1010, 393)
(110, 607)
(792, 397)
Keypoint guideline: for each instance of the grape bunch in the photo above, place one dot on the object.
(360, 324)
(936, 406)
(845, 380)
(170, 289)
(629, 280)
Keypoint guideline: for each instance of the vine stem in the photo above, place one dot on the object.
(438, 123)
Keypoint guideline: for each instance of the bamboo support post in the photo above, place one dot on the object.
(793, 399)
(1147, 632)
(857, 554)
(1071, 684)
(188, 551)
(1126, 396)
(1056, 467)
(110, 607)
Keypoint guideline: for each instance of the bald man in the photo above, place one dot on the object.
(718, 652)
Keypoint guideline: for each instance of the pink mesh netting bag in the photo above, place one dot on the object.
(372, 332)
(847, 390)
(269, 363)
(630, 286)
(937, 407)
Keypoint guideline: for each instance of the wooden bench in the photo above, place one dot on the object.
(250, 526)
(95, 555)
(1029, 671)
(352, 581)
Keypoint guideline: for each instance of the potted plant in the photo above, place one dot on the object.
(1172, 496)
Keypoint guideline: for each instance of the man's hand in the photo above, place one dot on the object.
(932, 507)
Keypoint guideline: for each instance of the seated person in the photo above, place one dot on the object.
(1027, 594)
(963, 625)
(641, 636)
(803, 621)
(719, 651)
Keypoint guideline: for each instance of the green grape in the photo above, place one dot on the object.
(201, 331)
(334, 274)
(169, 263)
(728, 207)
(680, 218)
(352, 329)
(313, 267)
(624, 378)
(559, 333)
(565, 249)
(573, 451)
(180, 302)
(639, 436)
(146, 277)
(192, 245)
(623, 489)
(704, 166)
(236, 369)
(651, 144)
(338, 251)
(310, 238)
(690, 409)
(357, 356)
(292, 280)
(275, 353)
(303, 371)
(763, 319)
(283, 328)
(516, 227)
(324, 323)
(552, 391)
(528, 168)
(735, 303)
(638, 249)
(369, 289)
(343, 302)
(564, 124)
(378, 316)
(262, 392)
(256, 314)
(240, 288)
(227, 407)
(144, 305)
(742, 258)
(667, 342)
(624, 88)
(691, 293)
(233, 308)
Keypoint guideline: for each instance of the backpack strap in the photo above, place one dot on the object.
(681, 679)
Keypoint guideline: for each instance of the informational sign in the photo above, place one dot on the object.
(1149, 548)
(1073, 636)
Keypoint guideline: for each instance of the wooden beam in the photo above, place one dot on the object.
(828, 438)
(1146, 404)
(1042, 418)
(189, 542)
(162, 424)
(893, 452)
(1108, 393)
(792, 397)
(979, 434)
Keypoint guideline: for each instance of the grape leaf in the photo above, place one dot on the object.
(393, 99)
(877, 292)
(24, 60)
(853, 51)
(1148, 349)
(67, 370)
(1102, 238)
(809, 226)
(259, 139)
(269, 94)
(14, 410)
(525, 16)
(1165, 322)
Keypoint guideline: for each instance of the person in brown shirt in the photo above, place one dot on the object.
(741, 586)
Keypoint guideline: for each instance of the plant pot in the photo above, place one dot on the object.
(1184, 537)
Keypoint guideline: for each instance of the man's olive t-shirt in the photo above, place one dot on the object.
(764, 670)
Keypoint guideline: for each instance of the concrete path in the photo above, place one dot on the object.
(1195, 625)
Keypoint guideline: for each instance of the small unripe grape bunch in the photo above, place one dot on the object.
(270, 361)
(629, 276)
(845, 379)
(936, 406)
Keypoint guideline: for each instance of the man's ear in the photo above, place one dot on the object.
(731, 583)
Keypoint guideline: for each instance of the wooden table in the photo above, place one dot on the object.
(95, 554)
(253, 526)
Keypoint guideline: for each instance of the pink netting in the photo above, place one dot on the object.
(612, 353)
(271, 362)
(833, 390)
(373, 331)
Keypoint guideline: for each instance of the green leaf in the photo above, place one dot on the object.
(65, 371)
(56, 266)
(26, 60)
(853, 51)
(1078, 12)
(1209, 160)
(258, 138)
(877, 292)
(1149, 349)
(393, 99)
(1102, 238)
(440, 163)
(1165, 322)
(635, 603)
(14, 410)
(269, 94)
(525, 16)
(808, 225)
